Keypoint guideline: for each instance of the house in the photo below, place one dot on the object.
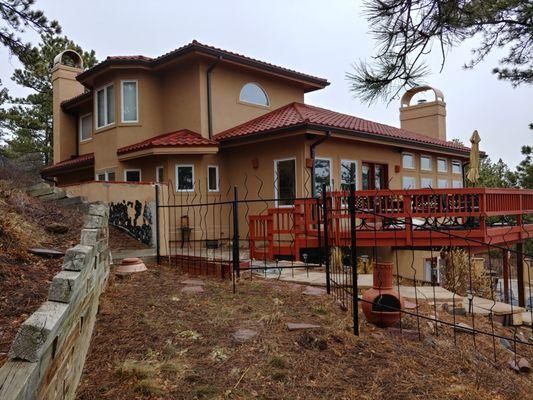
(204, 120)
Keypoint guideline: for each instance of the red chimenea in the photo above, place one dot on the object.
(382, 304)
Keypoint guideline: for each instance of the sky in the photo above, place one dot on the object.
(321, 38)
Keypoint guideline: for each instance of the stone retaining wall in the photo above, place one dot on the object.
(47, 356)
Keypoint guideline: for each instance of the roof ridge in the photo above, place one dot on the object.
(296, 106)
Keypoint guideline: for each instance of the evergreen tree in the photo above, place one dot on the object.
(27, 124)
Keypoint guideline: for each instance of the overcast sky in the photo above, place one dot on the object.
(318, 37)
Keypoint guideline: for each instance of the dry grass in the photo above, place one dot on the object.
(187, 341)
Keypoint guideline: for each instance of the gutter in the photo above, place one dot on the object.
(312, 150)
(209, 101)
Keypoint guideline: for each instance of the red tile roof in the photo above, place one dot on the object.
(73, 100)
(298, 114)
(74, 162)
(181, 138)
(209, 50)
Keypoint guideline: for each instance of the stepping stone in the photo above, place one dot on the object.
(313, 291)
(192, 281)
(410, 334)
(243, 335)
(50, 253)
(295, 326)
(192, 289)
(409, 305)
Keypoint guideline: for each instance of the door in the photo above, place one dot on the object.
(375, 176)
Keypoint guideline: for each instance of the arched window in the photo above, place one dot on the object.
(254, 94)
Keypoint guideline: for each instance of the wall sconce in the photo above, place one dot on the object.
(397, 168)
(255, 163)
(309, 162)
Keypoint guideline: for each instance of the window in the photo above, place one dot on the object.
(442, 165)
(108, 176)
(322, 174)
(159, 174)
(408, 161)
(212, 178)
(426, 182)
(457, 167)
(105, 106)
(253, 93)
(184, 178)
(374, 176)
(348, 174)
(285, 181)
(457, 184)
(132, 175)
(426, 163)
(408, 182)
(86, 127)
(130, 101)
(442, 183)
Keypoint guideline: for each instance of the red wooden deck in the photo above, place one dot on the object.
(424, 218)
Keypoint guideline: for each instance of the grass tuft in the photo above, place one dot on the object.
(136, 369)
(148, 387)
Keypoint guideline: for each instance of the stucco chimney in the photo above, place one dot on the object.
(427, 117)
(65, 86)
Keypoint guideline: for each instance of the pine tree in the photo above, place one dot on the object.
(27, 124)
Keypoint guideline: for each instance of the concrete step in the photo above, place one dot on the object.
(70, 201)
(37, 186)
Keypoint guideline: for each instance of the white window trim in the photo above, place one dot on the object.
(460, 167)
(104, 88)
(331, 170)
(356, 172)
(157, 169)
(430, 162)
(252, 103)
(122, 82)
(414, 160)
(80, 127)
(276, 191)
(408, 177)
(442, 159)
(177, 180)
(132, 170)
(217, 179)
(426, 187)
(106, 175)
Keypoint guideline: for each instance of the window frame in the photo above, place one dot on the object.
(430, 162)
(80, 127)
(414, 161)
(276, 189)
(460, 167)
(107, 123)
(330, 160)
(157, 168)
(252, 103)
(217, 177)
(132, 170)
(408, 177)
(372, 174)
(426, 187)
(356, 171)
(177, 166)
(443, 180)
(122, 82)
(446, 161)
(106, 176)
(454, 181)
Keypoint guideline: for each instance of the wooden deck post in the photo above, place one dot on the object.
(520, 274)
(505, 268)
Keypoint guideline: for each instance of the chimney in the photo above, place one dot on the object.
(64, 87)
(426, 117)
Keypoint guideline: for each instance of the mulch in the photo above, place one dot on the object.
(152, 341)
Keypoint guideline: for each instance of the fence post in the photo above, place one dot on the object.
(235, 246)
(158, 248)
(520, 274)
(353, 250)
(326, 237)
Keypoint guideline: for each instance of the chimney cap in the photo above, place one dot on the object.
(406, 98)
(73, 55)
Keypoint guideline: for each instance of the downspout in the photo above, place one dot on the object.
(209, 101)
(312, 149)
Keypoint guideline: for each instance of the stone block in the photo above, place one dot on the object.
(99, 209)
(94, 222)
(64, 284)
(38, 331)
(90, 237)
(78, 257)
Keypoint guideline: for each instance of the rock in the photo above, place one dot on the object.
(410, 334)
(409, 305)
(192, 281)
(49, 253)
(295, 326)
(462, 327)
(78, 257)
(99, 209)
(430, 341)
(313, 291)
(55, 227)
(243, 335)
(521, 366)
(309, 342)
(192, 289)
(505, 343)
(457, 310)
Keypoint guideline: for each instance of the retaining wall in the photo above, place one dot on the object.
(47, 356)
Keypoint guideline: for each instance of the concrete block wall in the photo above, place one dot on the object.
(47, 356)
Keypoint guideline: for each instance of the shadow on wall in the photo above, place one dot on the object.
(134, 218)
